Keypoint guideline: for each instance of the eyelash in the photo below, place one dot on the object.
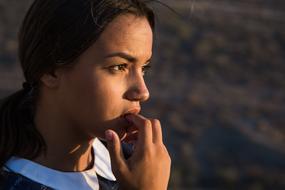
(146, 68)
(123, 67)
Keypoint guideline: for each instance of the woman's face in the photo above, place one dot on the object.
(107, 81)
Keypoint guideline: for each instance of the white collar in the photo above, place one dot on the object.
(86, 180)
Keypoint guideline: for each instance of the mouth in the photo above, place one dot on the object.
(135, 111)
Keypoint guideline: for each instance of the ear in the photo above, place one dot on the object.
(51, 80)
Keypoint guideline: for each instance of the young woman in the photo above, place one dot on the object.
(73, 123)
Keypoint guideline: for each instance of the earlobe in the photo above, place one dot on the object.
(50, 80)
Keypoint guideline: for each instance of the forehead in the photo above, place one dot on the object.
(126, 33)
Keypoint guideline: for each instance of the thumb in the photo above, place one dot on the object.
(119, 166)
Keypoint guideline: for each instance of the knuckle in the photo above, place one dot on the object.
(168, 158)
(162, 153)
(149, 151)
(147, 123)
(160, 149)
(157, 128)
(166, 152)
(148, 155)
(166, 155)
(155, 122)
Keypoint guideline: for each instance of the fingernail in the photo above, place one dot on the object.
(109, 135)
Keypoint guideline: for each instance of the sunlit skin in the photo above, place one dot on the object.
(104, 86)
(84, 101)
(107, 81)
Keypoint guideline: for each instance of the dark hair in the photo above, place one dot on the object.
(54, 34)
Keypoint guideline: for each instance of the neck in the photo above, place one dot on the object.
(67, 149)
(73, 159)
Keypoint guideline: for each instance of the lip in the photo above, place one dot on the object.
(125, 122)
(134, 110)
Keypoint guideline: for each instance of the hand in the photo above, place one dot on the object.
(149, 165)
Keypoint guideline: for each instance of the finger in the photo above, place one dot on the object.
(118, 161)
(156, 131)
(131, 137)
(131, 129)
(132, 134)
(145, 129)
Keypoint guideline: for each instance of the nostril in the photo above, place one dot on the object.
(138, 91)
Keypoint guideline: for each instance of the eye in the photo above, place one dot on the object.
(116, 68)
(146, 68)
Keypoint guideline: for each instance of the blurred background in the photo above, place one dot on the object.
(217, 84)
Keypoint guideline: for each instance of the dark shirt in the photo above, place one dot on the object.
(10, 180)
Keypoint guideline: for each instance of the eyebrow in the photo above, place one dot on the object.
(125, 56)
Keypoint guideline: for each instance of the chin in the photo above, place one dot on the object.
(123, 136)
(119, 125)
(121, 133)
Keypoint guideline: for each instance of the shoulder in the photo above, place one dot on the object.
(13, 181)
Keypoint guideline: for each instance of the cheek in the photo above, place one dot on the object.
(93, 101)
(76, 93)
(108, 95)
(105, 107)
(97, 94)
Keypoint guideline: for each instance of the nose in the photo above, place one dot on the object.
(137, 90)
